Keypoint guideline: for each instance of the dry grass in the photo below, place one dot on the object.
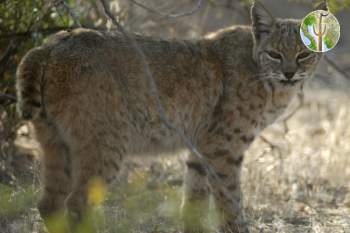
(299, 184)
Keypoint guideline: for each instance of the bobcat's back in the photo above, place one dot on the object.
(98, 75)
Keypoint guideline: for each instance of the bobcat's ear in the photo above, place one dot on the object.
(262, 21)
(322, 6)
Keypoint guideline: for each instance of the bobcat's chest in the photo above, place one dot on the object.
(256, 107)
(277, 101)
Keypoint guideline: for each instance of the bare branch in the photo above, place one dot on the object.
(300, 97)
(301, 100)
(272, 145)
(9, 97)
(35, 26)
(8, 53)
(179, 15)
(71, 13)
(16, 41)
(29, 32)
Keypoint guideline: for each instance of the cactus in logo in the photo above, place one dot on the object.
(322, 28)
(320, 31)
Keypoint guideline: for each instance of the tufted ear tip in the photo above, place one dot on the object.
(257, 3)
(262, 20)
(322, 6)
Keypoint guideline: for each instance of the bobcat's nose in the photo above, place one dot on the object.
(289, 75)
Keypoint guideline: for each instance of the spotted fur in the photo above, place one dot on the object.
(86, 94)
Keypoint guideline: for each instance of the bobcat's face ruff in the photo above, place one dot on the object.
(278, 49)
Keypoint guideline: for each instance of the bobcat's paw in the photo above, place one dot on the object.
(234, 227)
(49, 206)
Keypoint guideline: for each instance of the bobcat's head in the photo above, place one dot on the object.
(278, 50)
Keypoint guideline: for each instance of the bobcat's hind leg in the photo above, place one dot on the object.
(96, 157)
(55, 169)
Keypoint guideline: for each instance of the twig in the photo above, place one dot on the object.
(30, 32)
(337, 67)
(45, 11)
(301, 100)
(5, 58)
(72, 13)
(16, 42)
(178, 15)
(7, 52)
(8, 97)
(271, 144)
(278, 149)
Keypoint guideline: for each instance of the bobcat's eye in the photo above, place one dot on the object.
(275, 55)
(303, 55)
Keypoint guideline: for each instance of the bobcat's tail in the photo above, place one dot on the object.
(29, 83)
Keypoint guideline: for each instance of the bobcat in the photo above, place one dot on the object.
(86, 94)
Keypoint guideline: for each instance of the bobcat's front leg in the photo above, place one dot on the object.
(223, 154)
(225, 182)
(196, 200)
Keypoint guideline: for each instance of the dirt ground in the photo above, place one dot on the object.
(296, 179)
